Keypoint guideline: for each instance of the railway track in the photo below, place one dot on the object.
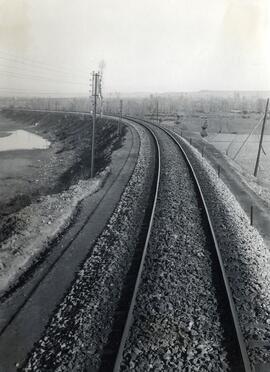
(123, 315)
(114, 352)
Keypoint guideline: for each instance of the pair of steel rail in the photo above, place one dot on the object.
(244, 363)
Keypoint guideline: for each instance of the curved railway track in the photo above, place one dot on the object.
(113, 354)
(124, 313)
(123, 319)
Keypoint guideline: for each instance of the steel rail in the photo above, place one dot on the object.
(234, 314)
(129, 320)
(175, 137)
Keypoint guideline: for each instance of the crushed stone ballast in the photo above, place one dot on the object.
(246, 258)
(182, 317)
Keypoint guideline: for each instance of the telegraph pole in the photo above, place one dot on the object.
(100, 94)
(157, 111)
(101, 68)
(121, 116)
(95, 88)
(261, 139)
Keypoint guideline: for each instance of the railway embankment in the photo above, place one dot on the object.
(41, 189)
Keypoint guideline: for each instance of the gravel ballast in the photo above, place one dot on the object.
(177, 325)
(245, 256)
(80, 326)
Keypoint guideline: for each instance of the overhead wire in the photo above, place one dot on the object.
(27, 61)
(18, 67)
(35, 93)
(246, 139)
(36, 71)
(40, 70)
(13, 67)
(40, 77)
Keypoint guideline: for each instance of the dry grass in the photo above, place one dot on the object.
(230, 144)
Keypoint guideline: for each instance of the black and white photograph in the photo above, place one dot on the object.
(134, 186)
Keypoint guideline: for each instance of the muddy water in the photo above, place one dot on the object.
(22, 140)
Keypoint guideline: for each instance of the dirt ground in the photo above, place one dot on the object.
(26, 175)
(219, 122)
(243, 151)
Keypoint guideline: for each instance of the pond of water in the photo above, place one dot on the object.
(22, 140)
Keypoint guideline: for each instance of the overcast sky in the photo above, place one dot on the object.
(147, 45)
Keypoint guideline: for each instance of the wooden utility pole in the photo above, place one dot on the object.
(121, 116)
(95, 88)
(100, 94)
(261, 139)
(101, 69)
(157, 111)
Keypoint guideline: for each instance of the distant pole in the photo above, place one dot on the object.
(95, 80)
(157, 111)
(121, 116)
(101, 108)
(261, 139)
(100, 94)
(101, 69)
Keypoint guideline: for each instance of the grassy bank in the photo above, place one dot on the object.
(27, 175)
